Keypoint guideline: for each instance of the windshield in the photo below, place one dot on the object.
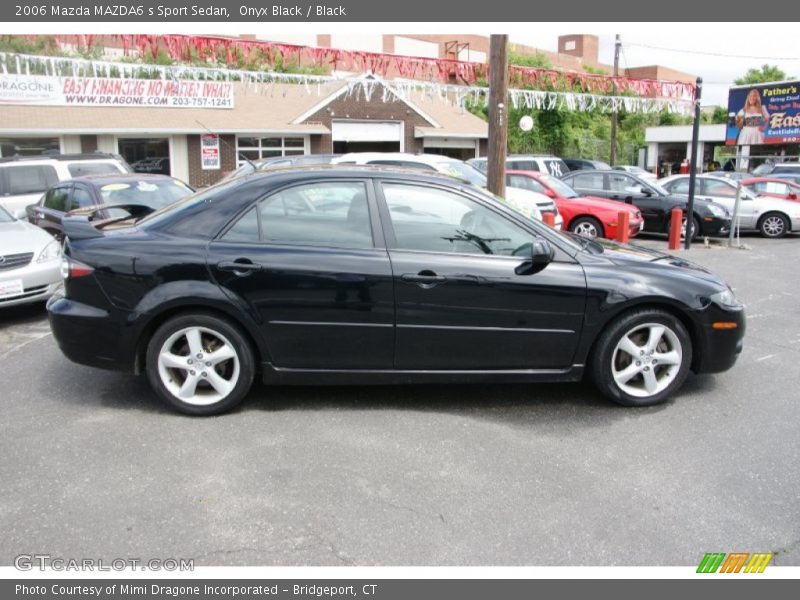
(155, 194)
(462, 171)
(575, 242)
(5, 217)
(657, 187)
(559, 187)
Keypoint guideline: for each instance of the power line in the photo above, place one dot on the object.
(720, 54)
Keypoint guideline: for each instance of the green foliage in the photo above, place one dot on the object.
(43, 45)
(717, 116)
(539, 61)
(765, 74)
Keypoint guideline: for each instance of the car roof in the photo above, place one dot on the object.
(427, 159)
(104, 178)
(59, 157)
(350, 170)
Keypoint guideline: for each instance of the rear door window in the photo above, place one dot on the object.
(332, 213)
(556, 168)
(589, 181)
(30, 179)
(94, 167)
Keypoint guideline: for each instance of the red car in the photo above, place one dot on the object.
(772, 186)
(584, 215)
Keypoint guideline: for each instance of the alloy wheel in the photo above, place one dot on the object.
(646, 360)
(198, 366)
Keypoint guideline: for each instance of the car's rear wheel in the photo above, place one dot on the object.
(200, 364)
(773, 225)
(642, 358)
(587, 227)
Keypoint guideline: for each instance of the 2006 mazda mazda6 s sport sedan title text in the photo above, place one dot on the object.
(375, 275)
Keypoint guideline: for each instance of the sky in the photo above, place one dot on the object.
(730, 40)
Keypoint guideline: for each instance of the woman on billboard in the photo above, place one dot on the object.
(752, 120)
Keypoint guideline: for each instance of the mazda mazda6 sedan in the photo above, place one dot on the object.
(371, 275)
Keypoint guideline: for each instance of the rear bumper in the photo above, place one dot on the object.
(74, 323)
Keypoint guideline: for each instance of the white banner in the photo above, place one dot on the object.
(43, 90)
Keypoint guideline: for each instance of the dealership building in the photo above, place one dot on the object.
(260, 120)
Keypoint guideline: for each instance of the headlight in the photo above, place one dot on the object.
(51, 252)
(726, 299)
(717, 211)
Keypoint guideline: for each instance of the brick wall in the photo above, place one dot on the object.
(197, 176)
(374, 110)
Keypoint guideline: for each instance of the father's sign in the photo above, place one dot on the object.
(42, 90)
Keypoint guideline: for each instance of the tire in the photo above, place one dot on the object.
(650, 382)
(774, 225)
(200, 364)
(696, 227)
(587, 226)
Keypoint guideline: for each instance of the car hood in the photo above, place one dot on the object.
(632, 255)
(19, 236)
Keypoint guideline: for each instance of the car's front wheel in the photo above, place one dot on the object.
(200, 364)
(642, 358)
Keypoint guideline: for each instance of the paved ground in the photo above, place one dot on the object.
(93, 466)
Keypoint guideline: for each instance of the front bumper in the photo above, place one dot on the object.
(719, 348)
(39, 282)
(715, 226)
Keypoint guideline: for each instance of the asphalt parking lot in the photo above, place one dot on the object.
(94, 466)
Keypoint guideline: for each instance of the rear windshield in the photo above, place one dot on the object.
(155, 194)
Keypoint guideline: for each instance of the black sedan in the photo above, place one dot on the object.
(92, 192)
(656, 204)
(375, 275)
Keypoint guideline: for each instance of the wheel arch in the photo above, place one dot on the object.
(673, 308)
(260, 351)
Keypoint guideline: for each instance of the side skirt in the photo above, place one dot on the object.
(283, 376)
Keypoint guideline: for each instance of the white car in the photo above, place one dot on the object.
(30, 262)
(638, 171)
(531, 204)
(23, 179)
(772, 217)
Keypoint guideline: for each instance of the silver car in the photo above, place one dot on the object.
(30, 262)
(772, 217)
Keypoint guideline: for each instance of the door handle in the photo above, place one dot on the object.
(238, 267)
(426, 279)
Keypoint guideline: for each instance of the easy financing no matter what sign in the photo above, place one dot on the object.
(40, 90)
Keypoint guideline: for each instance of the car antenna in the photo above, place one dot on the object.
(238, 152)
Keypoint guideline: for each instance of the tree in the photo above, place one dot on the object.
(765, 74)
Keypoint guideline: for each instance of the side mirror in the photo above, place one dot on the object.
(792, 196)
(541, 255)
(645, 191)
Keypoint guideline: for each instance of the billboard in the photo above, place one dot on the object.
(767, 113)
(43, 90)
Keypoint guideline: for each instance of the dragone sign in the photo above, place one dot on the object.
(42, 90)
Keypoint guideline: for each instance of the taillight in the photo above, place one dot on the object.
(71, 268)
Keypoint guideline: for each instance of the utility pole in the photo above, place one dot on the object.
(498, 114)
(613, 154)
(687, 242)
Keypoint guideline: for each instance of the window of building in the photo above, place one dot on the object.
(255, 148)
(28, 146)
